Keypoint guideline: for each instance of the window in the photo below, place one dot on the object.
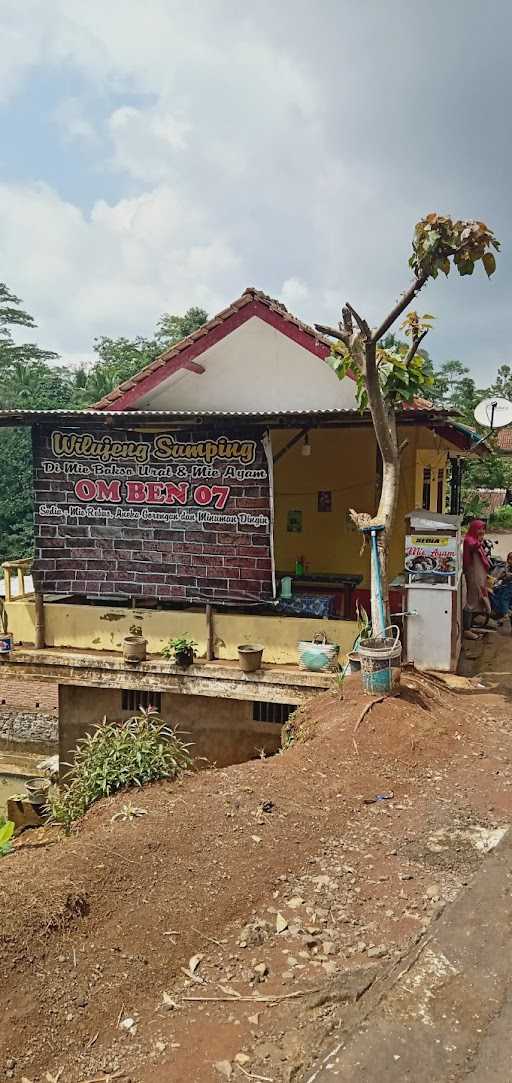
(272, 712)
(440, 491)
(427, 477)
(132, 699)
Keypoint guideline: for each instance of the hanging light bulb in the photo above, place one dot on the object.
(306, 447)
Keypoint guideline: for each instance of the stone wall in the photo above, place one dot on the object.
(27, 726)
(28, 710)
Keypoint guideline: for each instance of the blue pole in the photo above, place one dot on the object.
(376, 570)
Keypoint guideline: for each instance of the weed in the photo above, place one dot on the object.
(6, 833)
(117, 755)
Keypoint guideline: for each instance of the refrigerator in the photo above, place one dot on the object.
(433, 590)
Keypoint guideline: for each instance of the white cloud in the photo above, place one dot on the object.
(294, 293)
(71, 119)
(146, 141)
(114, 271)
(263, 145)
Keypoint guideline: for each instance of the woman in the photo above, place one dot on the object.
(476, 566)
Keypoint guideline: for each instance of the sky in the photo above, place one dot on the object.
(157, 154)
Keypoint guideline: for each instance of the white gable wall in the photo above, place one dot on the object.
(255, 367)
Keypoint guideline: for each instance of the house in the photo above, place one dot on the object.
(181, 502)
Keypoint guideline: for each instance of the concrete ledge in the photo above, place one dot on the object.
(271, 684)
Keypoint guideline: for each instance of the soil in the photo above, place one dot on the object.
(240, 919)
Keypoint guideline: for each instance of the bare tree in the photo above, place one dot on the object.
(388, 378)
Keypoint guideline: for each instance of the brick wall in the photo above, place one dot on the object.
(30, 693)
(96, 548)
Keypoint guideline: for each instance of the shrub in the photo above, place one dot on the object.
(117, 755)
(502, 517)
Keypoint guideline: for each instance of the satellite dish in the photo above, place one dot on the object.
(493, 413)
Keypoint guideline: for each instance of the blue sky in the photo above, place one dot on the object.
(158, 155)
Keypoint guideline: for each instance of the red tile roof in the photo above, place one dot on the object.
(504, 440)
(251, 302)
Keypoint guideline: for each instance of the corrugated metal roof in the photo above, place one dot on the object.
(271, 417)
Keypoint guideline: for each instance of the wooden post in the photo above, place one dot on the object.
(7, 583)
(210, 647)
(39, 637)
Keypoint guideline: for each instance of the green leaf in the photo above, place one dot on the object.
(466, 267)
(489, 263)
(6, 832)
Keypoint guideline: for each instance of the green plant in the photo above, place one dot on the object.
(135, 630)
(502, 517)
(181, 649)
(6, 833)
(117, 755)
(363, 623)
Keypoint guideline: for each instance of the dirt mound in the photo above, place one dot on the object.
(96, 927)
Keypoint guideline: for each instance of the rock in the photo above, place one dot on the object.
(10, 1062)
(328, 947)
(433, 892)
(127, 1023)
(243, 1059)
(254, 1019)
(223, 1067)
(292, 961)
(254, 933)
(377, 952)
(406, 876)
(281, 924)
(261, 970)
(168, 1004)
(295, 902)
(330, 967)
(194, 962)
(160, 1047)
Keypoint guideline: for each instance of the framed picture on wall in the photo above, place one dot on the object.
(324, 500)
(294, 522)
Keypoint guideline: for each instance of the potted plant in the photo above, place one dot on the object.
(6, 639)
(182, 649)
(135, 645)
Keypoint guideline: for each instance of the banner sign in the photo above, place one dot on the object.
(168, 515)
(432, 553)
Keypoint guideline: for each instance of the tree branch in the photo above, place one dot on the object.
(343, 336)
(400, 306)
(362, 324)
(413, 349)
(378, 406)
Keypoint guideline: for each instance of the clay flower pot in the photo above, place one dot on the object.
(249, 655)
(134, 648)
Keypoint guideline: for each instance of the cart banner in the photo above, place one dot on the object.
(164, 515)
(432, 553)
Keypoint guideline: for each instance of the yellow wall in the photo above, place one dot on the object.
(344, 461)
(88, 627)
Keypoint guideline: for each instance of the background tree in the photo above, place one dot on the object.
(27, 381)
(30, 382)
(387, 378)
(120, 358)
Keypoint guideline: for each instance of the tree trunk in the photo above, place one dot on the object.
(385, 430)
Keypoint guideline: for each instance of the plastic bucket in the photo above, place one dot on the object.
(380, 663)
